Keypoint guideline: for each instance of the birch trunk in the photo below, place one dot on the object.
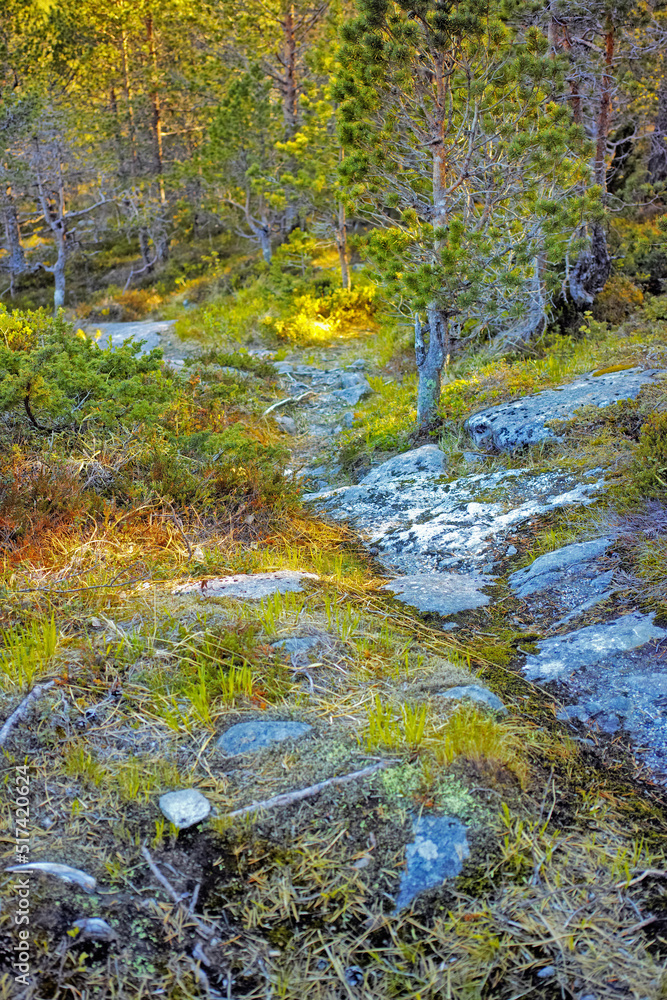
(341, 244)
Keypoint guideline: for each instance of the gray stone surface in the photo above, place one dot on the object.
(475, 692)
(438, 851)
(351, 395)
(551, 567)
(571, 580)
(514, 425)
(73, 876)
(93, 929)
(184, 808)
(117, 334)
(428, 460)
(246, 737)
(444, 593)
(247, 587)
(563, 654)
(417, 522)
(288, 424)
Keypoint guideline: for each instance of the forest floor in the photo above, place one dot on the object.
(556, 830)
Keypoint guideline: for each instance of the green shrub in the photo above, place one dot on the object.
(52, 378)
(652, 452)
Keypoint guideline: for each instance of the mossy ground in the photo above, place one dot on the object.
(567, 836)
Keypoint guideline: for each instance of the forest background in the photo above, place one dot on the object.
(496, 165)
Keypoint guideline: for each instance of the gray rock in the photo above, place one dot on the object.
(546, 972)
(359, 363)
(444, 593)
(297, 643)
(475, 692)
(419, 523)
(571, 712)
(438, 851)
(511, 551)
(551, 567)
(283, 367)
(288, 424)
(246, 737)
(348, 420)
(514, 425)
(93, 929)
(247, 587)
(350, 379)
(566, 653)
(116, 334)
(352, 395)
(185, 808)
(428, 460)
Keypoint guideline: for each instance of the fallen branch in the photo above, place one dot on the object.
(288, 399)
(287, 798)
(22, 710)
(203, 929)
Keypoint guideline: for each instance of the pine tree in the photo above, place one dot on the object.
(457, 154)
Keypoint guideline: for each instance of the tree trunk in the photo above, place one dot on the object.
(290, 90)
(144, 247)
(60, 235)
(431, 360)
(657, 164)
(156, 109)
(593, 267)
(264, 238)
(16, 263)
(341, 243)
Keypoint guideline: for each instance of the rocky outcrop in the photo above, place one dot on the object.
(514, 425)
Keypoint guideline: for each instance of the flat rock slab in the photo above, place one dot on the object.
(515, 425)
(476, 693)
(184, 808)
(428, 460)
(116, 334)
(563, 654)
(248, 587)
(416, 522)
(444, 593)
(438, 851)
(247, 737)
(570, 580)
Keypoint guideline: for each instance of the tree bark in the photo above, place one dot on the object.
(431, 360)
(60, 236)
(16, 263)
(341, 244)
(156, 109)
(657, 164)
(593, 267)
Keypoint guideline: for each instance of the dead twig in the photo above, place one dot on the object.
(287, 798)
(22, 710)
(202, 928)
(289, 399)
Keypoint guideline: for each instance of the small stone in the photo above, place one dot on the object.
(546, 972)
(361, 863)
(572, 712)
(93, 929)
(297, 643)
(288, 424)
(438, 851)
(352, 395)
(592, 707)
(349, 379)
(348, 420)
(359, 363)
(511, 550)
(475, 692)
(609, 723)
(354, 975)
(444, 593)
(246, 737)
(185, 808)
(248, 587)
(621, 705)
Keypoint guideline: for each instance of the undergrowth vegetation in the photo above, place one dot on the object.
(150, 475)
